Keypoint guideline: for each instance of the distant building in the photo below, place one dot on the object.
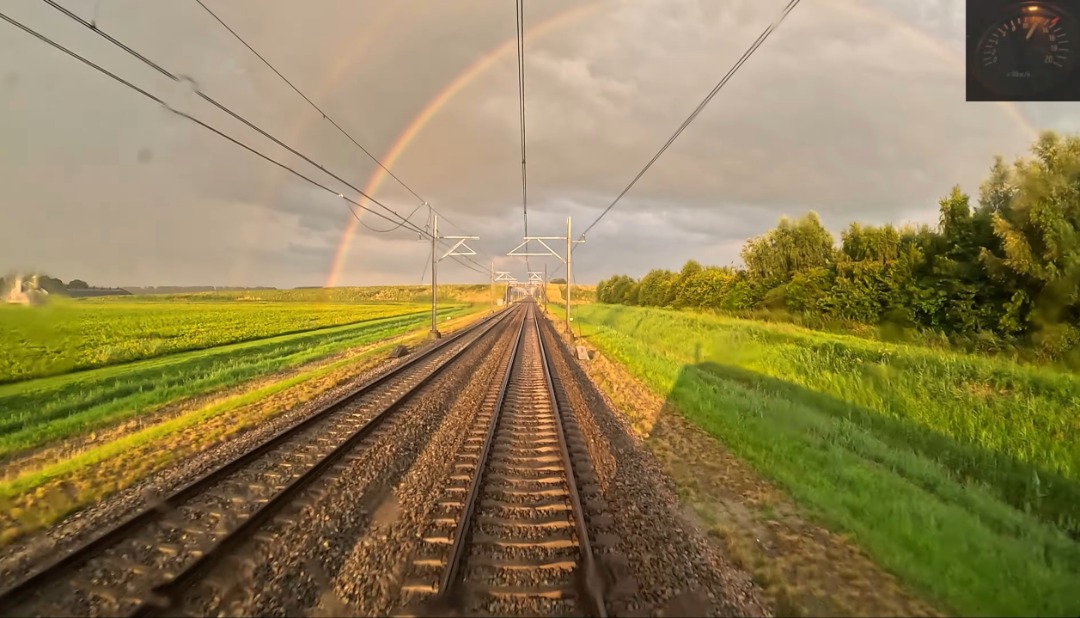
(25, 292)
(18, 290)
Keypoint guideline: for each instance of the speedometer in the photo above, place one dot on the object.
(1028, 51)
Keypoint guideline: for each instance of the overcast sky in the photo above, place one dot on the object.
(853, 108)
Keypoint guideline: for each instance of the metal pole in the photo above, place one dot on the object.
(434, 275)
(493, 286)
(569, 278)
(543, 290)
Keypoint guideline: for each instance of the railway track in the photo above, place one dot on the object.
(144, 564)
(509, 535)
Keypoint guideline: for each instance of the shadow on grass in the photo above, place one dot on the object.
(954, 520)
(1045, 494)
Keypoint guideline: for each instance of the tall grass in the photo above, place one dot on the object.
(958, 473)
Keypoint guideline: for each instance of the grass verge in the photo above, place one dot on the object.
(925, 459)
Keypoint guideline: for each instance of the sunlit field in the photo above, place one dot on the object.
(69, 335)
(959, 473)
(101, 392)
(77, 366)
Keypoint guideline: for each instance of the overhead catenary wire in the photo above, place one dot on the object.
(321, 111)
(403, 221)
(742, 59)
(198, 92)
(204, 125)
(519, 11)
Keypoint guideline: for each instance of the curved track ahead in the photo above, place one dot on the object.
(143, 564)
(509, 534)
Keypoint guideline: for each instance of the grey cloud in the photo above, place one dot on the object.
(849, 117)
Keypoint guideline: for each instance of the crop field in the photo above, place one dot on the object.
(961, 474)
(74, 367)
(72, 437)
(90, 333)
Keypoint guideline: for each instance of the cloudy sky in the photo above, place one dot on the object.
(853, 108)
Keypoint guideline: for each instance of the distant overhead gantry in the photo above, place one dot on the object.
(570, 242)
(435, 259)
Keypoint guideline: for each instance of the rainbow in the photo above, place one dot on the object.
(470, 73)
(363, 40)
(463, 79)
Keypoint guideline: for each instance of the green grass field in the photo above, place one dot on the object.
(72, 335)
(77, 366)
(211, 364)
(958, 473)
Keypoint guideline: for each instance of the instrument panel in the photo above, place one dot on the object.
(1023, 51)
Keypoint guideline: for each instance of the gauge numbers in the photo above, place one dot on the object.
(1029, 51)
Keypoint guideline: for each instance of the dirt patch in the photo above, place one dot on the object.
(804, 569)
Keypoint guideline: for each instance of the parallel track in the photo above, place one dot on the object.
(509, 535)
(143, 564)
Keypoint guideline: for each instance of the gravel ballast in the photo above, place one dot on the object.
(326, 556)
(22, 556)
(344, 548)
(671, 567)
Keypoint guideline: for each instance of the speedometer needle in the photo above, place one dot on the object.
(1031, 30)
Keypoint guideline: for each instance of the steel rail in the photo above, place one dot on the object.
(461, 533)
(588, 573)
(587, 568)
(88, 550)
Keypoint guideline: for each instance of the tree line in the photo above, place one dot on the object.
(52, 285)
(1000, 275)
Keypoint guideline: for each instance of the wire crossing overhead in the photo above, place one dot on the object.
(310, 102)
(742, 59)
(227, 110)
(350, 203)
(520, 6)
(327, 118)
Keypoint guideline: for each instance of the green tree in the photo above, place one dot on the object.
(1038, 256)
(1004, 272)
(791, 247)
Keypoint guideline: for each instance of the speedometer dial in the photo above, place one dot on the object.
(1027, 52)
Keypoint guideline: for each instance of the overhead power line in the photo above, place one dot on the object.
(222, 107)
(403, 221)
(746, 56)
(322, 112)
(519, 6)
(520, 14)
(206, 126)
(310, 102)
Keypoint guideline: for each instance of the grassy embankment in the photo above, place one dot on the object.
(958, 473)
(220, 388)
